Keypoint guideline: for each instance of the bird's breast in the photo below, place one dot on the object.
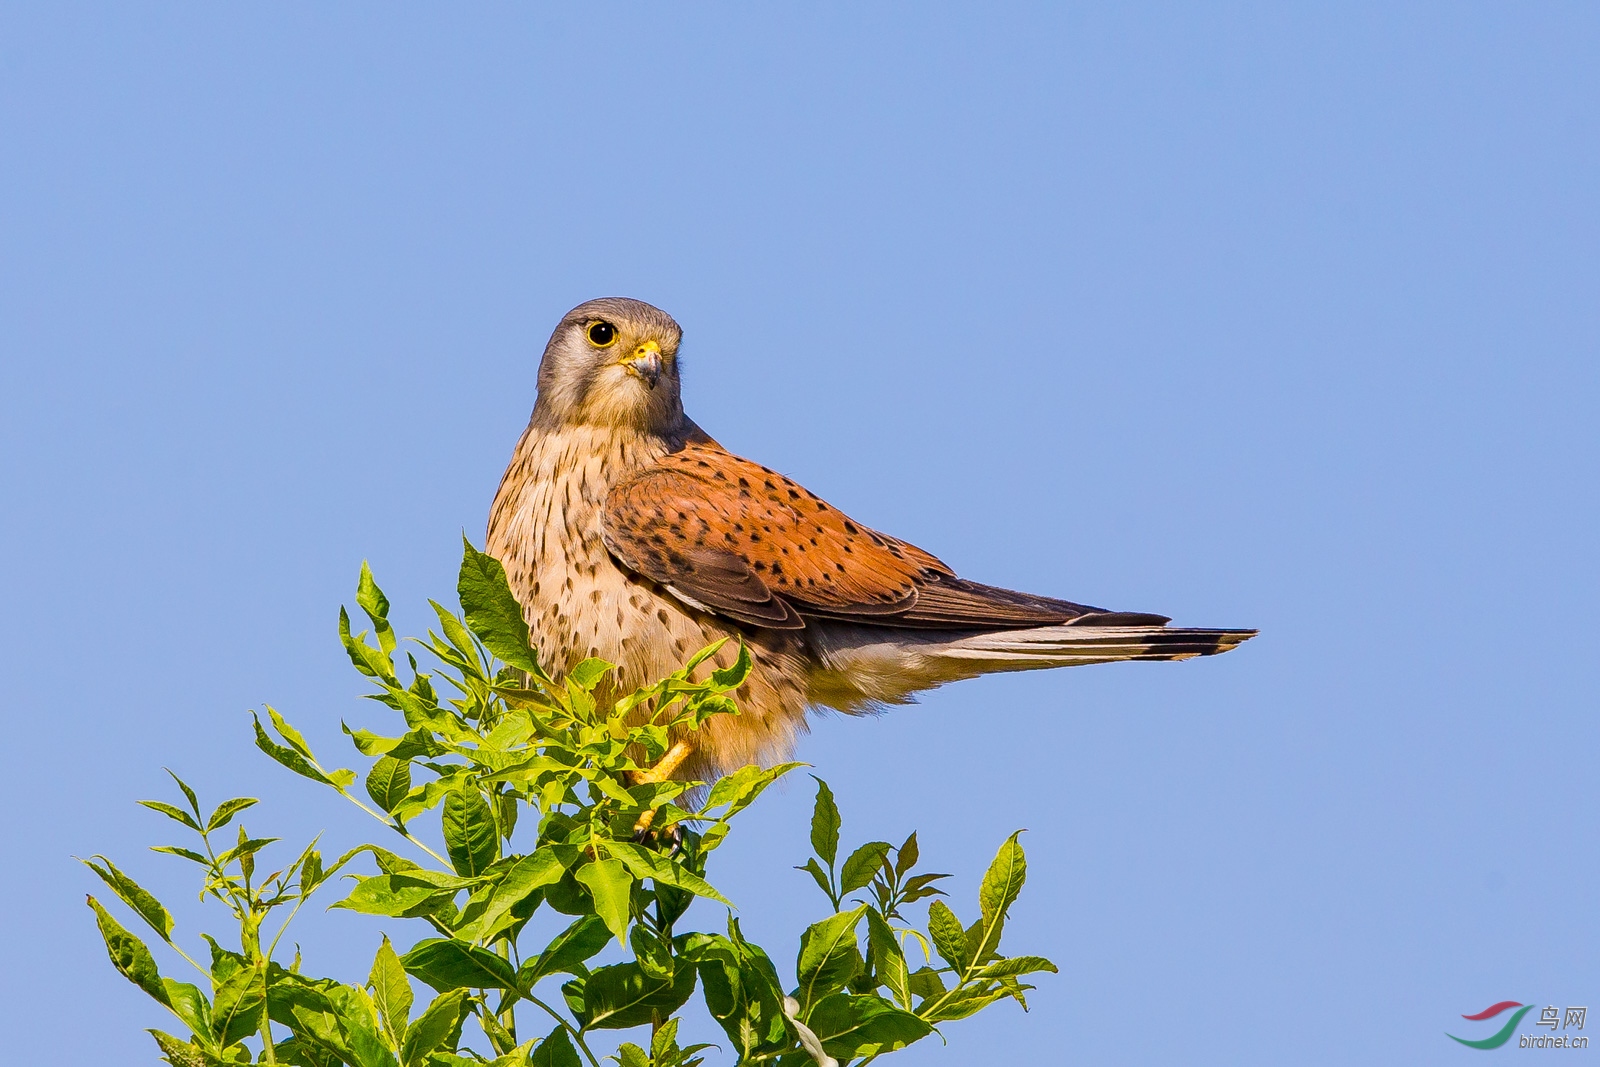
(545, 527)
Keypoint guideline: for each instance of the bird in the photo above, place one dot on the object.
(627, 533)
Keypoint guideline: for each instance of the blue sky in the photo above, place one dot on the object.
(1272, 316)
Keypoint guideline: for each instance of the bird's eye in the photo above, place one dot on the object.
(602, 334)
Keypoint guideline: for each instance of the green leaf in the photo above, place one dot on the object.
(1004, 879)
(631, 1055)
(319, 1031)
(389, 895)
(369, 661)
(297, 762)
(447, 965)
(567, 953)
(820, 876)
(1015, 966)
(862, 865)
(609, 882)
(507, 809)
(376, 606)
(555, 1051)
(620, 996)
(388, 782)
(188, 1004)
(194, 801)
(494, 1030)
(172, 812)
(491, 612)
(391, 991)
(433, 1027)
(887, 960)
(925, 983)
(700, 657)
(358, 1017)
(705, 706)
(949, 937)
(650, 952)
(311, 873)
(569, 897)
(741, 990)
(863, 1025)
(713, 836)
(369, 743)
(186, 853)
(664, 1049)
(179, 1053)
(389, 863)
(663, 1042)
(920, 886)
(741, 788)
(906, 856)
(424, 797)
(424, 718)
(460, 652)
(825, 824)
(245, 849)
(1001, 884)
(733, 677)
(962, 1003)
(307, 1008)
(224, 964)
(237, 1000)
(647, 864)
(226, 811)
(526, 876)
(139, 899)
(469, 833)
(587, 675)
(829, 956)
(528, 769)
(129, 955)
(289, 733)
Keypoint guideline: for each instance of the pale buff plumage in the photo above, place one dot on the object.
(545, 529)
(609, 441)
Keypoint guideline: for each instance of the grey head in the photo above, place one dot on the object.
(611, 362)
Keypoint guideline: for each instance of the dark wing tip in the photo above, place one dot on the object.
(1119, 618)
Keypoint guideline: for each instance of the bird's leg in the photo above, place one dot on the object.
(659, 772)
(662, 769)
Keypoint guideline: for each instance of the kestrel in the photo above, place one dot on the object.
(629, 534)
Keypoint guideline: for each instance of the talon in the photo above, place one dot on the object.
(660, 772)
(642, 834)
(641, 829)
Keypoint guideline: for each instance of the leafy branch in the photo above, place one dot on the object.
(578, 917)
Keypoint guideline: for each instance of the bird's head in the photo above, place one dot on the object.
(612, 362)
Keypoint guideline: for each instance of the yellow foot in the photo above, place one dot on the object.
(659, 773)
(663, 768)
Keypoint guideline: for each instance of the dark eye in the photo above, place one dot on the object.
(602, 334)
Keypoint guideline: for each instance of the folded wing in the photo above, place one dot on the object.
(737, 539)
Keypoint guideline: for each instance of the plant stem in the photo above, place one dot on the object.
(577, 1035)
(440, 859)
(273, 947)
(174, 946)
(268, 1053)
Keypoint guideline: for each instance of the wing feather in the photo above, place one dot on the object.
(730, 536)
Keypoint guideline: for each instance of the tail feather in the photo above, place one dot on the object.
(1072, 645)
(870, 666)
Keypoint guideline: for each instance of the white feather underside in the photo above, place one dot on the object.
(865, 667)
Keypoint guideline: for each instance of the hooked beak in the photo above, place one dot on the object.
(645, 363)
